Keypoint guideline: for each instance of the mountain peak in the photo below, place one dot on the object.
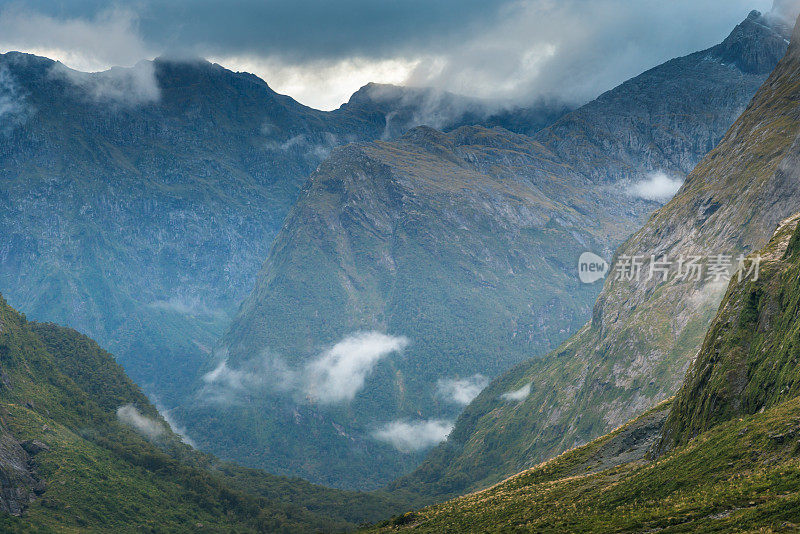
(756, 44)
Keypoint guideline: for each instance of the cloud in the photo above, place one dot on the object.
(128, 86)
(788, 10)
(87, 42)
(576, 49)
(320, 52)
(461, 391)
(414, 436)
(517, 395)
(340, 78)
(131, 416)
(657, 187)
(339, 373)
(335, 376)
(228, 385)
(408, 107)
(13, 109)
(317, 149)
(176, 428)
(186, 306)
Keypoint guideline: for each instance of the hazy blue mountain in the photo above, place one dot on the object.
(402, 108)
(460, 246)
(138, 204)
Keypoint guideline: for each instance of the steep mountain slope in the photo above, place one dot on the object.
(138, 204)
(392, 238)
(83, 449)
(732, 430)
(465, 243)
(643, 333)
(749, 360)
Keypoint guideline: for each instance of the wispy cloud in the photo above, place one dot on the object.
(148, 427)
(340, 78)
(186, 306)
(317, 148)
(657, 187)
(517, 395)
(231, 385)
(120, 85)
(13, 109)
(176, 427)
(339, 373)
(413, 436)
(334, 376)
(461, 390)
(108, 38)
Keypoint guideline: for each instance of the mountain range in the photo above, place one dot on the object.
(139, 203)
(461, 247)
(689, 464)
(420, 291)
(719, 456)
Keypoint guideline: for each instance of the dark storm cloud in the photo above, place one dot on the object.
(300, 29)
(322, 51)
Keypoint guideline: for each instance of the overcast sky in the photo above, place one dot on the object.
(321, 51)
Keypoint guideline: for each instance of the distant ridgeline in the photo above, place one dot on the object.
(137, 205)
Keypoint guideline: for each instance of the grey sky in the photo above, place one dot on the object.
(321, 51)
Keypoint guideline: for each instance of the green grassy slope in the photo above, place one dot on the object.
(749, 360)
(99, 474)
(732, 431)
(735, 477)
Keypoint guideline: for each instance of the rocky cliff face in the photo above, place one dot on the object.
(464, 243)
(19, 482)
(644, 332)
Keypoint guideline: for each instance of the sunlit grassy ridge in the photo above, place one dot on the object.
(737, 476)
